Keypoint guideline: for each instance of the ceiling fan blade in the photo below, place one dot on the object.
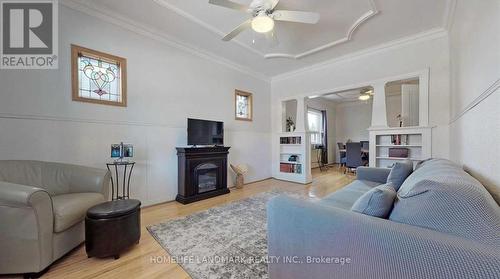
(229, 4)
(274, 3)
(242, 27)
(296, 16)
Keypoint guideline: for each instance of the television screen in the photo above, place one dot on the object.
(205, 132)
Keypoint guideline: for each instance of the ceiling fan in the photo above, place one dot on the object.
(365, 94)
(263, 16)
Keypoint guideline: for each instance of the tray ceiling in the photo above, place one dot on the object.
(345, 26)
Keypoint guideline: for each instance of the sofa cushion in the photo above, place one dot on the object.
(439, 195)
(345, 197)
(399, 172)
(27, 173)
(376, 202)
(70, 209)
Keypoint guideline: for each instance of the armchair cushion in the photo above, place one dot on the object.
(70, 209)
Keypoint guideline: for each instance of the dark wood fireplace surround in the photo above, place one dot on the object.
(202, 173)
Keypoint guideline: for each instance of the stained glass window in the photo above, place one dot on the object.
(98, 77)
(243, 105)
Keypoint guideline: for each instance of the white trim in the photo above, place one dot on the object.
(15, 116)
(449, 14)
(420, 37)
(152, 33)
(490, 90)
(345, 39)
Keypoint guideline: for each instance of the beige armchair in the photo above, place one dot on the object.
(42, 211)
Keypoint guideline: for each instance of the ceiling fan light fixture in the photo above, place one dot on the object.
(262, 23)
(364, 97)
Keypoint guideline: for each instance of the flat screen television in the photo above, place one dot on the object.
(205, 132)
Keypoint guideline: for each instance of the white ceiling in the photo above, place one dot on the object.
(345, 26)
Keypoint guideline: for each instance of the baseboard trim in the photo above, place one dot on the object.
(230, 188)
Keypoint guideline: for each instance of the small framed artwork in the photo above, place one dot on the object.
(243, 105)
(98, 77)
(116, 150)
(121, 150)
(128, 150)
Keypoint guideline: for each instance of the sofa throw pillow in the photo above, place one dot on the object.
(376, 202)
(399, 172)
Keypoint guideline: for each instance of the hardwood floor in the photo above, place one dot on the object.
(138, 262)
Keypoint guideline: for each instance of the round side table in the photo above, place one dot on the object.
(126, 168)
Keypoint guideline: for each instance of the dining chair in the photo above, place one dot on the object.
(342, 155)
(353, 155)
(365, 144)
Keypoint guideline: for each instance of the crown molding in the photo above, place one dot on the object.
(152, 33)
(420, 37)
(449, 14)
(373, 11)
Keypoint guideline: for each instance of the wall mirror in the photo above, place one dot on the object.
(402, 102)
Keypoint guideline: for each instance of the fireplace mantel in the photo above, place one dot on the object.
(202, 173)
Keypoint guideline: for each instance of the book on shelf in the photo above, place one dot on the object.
(290, 168)
(290, 140)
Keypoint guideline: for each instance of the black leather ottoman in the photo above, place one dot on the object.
(111, 227)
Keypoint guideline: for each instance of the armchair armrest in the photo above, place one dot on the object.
(373, 174)
(86, 179)
(342, 244)
(26, 219)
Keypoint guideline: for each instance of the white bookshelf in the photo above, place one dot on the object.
(417, 140)
(297, 169)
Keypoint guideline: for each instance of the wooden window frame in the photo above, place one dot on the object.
(250, 102)
(122, 63)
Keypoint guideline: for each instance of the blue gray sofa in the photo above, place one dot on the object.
(443, 224)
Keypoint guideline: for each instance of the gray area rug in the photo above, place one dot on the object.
(223, 242)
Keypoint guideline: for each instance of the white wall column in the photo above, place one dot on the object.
(301, 115)
(379, 115)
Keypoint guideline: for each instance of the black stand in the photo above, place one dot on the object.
(115, 183)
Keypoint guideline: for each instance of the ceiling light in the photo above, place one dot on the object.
(364, 97)
(262, 23)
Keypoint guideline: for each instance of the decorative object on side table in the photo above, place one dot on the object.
(240, 171)
(112, 227)
(121, 151)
